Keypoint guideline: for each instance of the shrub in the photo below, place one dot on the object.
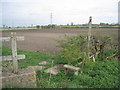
(38, 26)
(74, 49)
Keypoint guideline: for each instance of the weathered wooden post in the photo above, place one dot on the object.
(14, 56)
(89, 36)
(14, 52)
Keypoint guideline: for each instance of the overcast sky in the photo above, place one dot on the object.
(37, 12)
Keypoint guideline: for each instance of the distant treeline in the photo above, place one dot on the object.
(59, 26)
(77, 26)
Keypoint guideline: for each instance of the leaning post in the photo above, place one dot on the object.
(89, 35)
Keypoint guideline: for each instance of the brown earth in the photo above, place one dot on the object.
(44, 40)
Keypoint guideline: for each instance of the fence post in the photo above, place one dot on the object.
(14, 52)
(89, 36)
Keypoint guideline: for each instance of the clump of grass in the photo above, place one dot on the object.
(31, 59)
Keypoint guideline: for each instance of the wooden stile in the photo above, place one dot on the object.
(14, 56)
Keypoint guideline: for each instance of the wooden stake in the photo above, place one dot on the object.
(50, 74)
(14, 52)
(89, 35)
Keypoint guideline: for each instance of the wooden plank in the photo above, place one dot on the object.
(19, 38)
(14, 52)
(7, 58)
(4, 39)
(71, 67)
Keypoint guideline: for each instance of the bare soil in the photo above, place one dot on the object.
(44, 40)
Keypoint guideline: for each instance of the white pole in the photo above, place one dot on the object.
(12, 24)
(51, 18)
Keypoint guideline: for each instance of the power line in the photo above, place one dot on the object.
(12, 24)
(51, 17)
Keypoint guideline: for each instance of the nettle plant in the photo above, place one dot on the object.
(74, 49)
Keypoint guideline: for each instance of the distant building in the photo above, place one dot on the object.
(102, 24)
(84, 24)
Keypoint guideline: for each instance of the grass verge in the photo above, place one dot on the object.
(99, 74)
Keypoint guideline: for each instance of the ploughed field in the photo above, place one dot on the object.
(44, 40)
